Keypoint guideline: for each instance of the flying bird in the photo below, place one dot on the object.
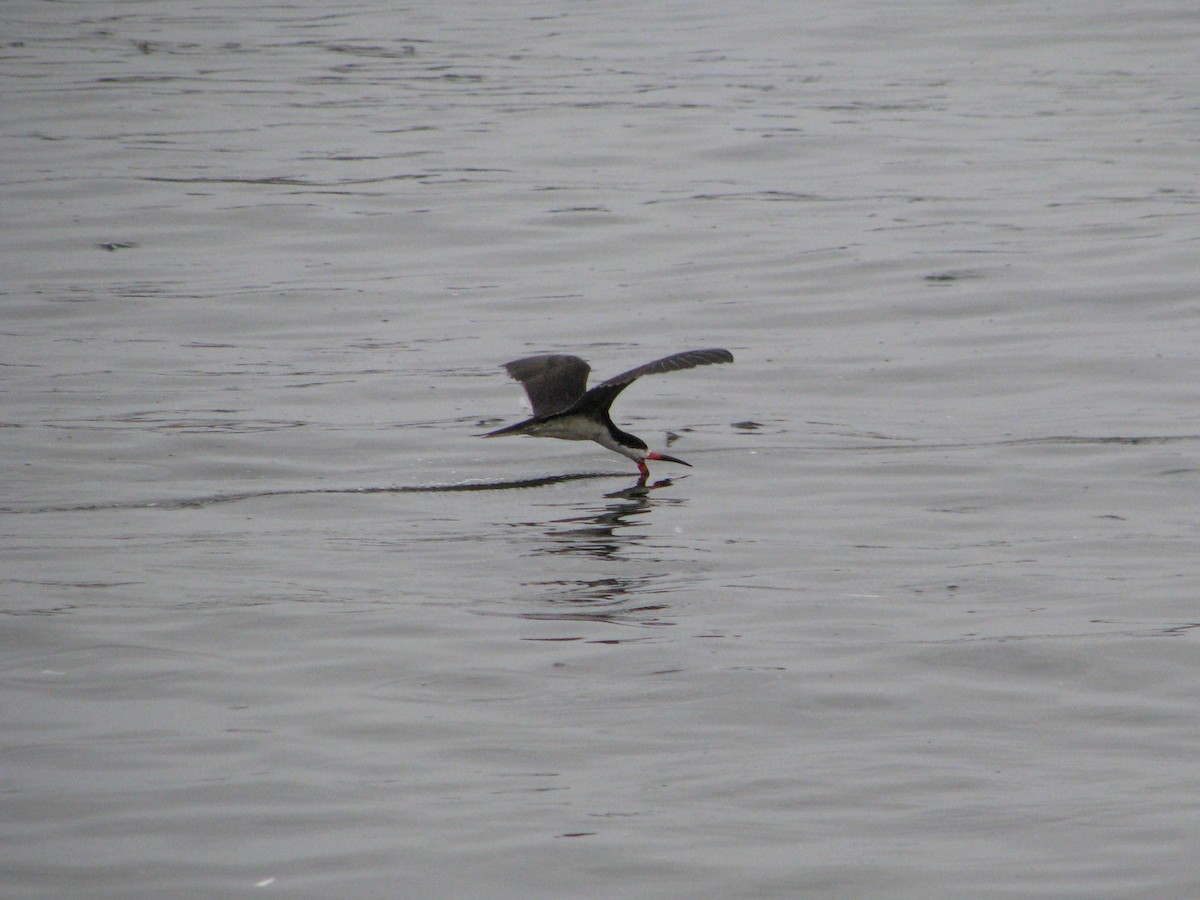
(564, 408)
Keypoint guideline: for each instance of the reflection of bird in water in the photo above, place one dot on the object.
(564, 408)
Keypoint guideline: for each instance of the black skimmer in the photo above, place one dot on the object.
(564, 408)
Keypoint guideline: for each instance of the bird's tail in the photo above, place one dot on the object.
(519, 428)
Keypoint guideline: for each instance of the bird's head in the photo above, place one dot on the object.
(635, 448)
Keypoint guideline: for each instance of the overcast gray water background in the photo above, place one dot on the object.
(920, 622)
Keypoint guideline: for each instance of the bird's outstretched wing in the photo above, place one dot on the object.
(688, 359)
(605, 392)
(552, 382)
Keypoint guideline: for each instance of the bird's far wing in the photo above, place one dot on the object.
(688, 359)
(604, 393)
(553, 383)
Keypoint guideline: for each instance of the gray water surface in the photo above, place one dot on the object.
(920, 622)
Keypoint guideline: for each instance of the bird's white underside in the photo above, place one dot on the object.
(582, 428)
